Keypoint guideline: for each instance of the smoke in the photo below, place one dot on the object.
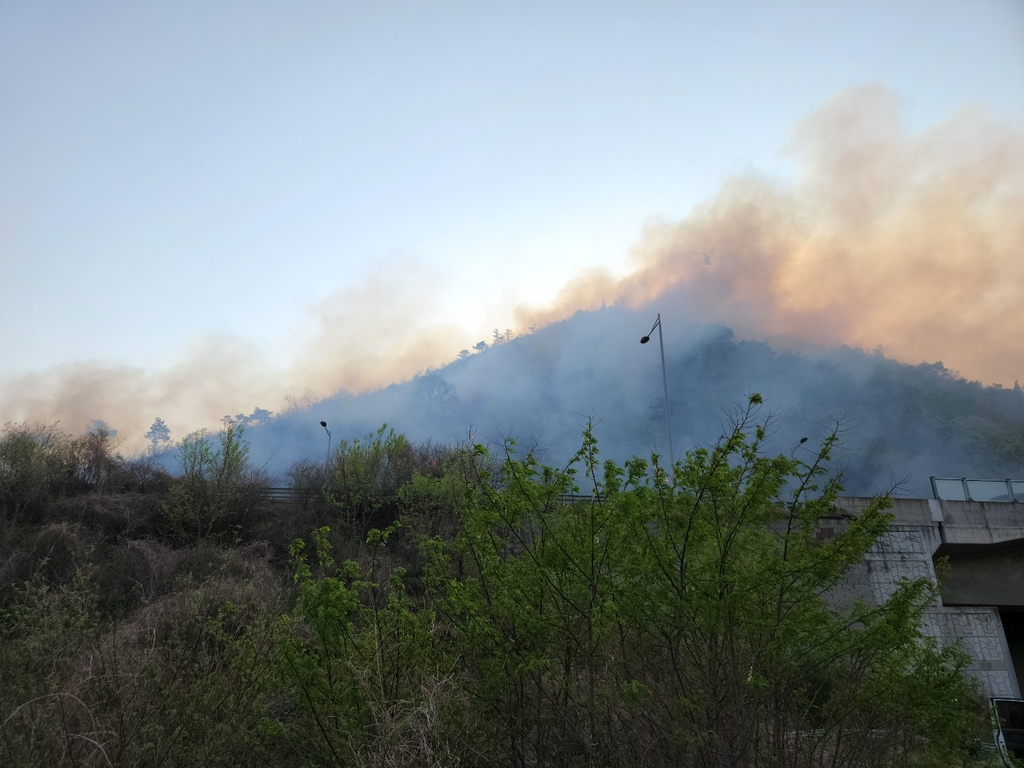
(910, 244)
(368, 336)
(353, 340)
(913, 245)
(191, 393)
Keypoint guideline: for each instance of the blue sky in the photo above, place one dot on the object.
(181, 179)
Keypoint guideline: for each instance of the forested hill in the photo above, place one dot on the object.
(900, 423)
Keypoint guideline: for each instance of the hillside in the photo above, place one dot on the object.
(899, 423)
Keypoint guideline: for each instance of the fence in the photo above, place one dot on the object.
(964, 489)
(280, 493)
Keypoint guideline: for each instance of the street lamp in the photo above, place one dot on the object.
(664, 381)
(324, 425)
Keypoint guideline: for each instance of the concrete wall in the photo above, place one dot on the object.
(984, 542)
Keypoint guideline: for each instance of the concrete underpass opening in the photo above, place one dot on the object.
(989, 575)
(984, 574)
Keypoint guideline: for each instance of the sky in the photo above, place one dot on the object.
(209, 207)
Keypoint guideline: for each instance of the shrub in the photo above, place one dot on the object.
(38, 462)
(217, 490)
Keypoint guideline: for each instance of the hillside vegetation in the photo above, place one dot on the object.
(900, 423)
(417, 605)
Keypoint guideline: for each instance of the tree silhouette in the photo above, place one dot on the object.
(158, 435)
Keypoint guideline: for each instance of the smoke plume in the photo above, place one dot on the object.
(353, 340)
(911, 244)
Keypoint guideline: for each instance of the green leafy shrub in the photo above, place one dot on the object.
(218, 488)
(367, 678)
(364, 479)
(676, 617)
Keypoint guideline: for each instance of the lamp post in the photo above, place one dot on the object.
(664, 381)
(324, 425)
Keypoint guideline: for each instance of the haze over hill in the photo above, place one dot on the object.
(908, 243)
(899, 423)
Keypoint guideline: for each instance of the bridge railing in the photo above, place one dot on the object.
(966, 489)
(283, 493)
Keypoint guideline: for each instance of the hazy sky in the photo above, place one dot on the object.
(209, 199)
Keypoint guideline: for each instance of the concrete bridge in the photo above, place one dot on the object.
(983, 594)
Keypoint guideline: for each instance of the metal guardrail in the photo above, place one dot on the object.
(282, 493)
(965, 489)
